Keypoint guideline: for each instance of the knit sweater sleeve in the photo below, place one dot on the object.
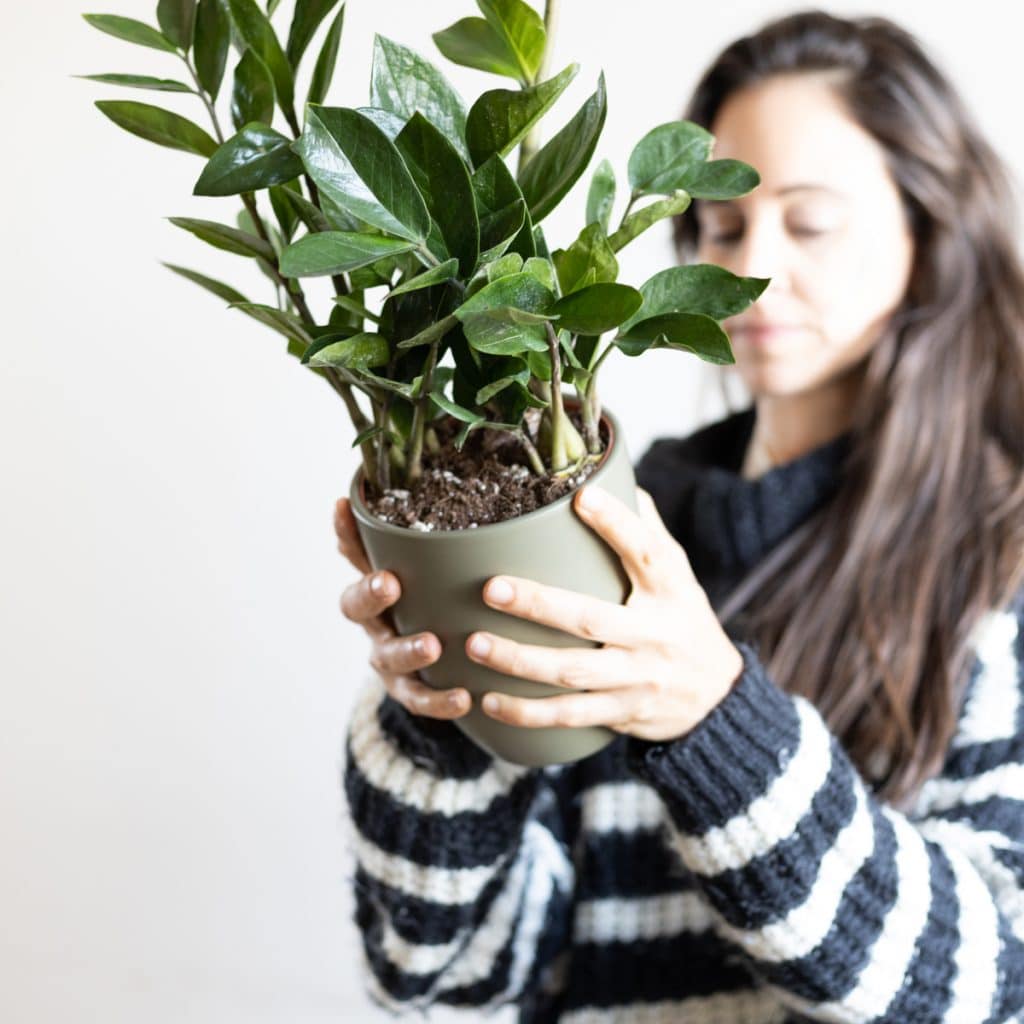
(462, 883)
(847, 909)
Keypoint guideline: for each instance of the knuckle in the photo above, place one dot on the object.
(589, 623)
(575, 676)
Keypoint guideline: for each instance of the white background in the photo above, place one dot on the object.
(176, 674)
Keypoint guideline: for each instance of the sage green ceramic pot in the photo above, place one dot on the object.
(443, 573)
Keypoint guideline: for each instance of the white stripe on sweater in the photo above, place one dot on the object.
(990, 712)
(975, 983)
(388, 769)
(806, 925)
(722, 1008)
(890, 955)
(940, 794)
(621, 807)
(774, 815)
(626, 919)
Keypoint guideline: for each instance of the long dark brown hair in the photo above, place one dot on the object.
(868, 608)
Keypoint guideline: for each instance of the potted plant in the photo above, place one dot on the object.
(453, 329)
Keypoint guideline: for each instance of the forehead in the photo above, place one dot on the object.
(795, 131)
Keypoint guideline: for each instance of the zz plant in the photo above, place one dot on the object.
(446, 299)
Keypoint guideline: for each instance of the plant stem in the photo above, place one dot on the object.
(559, 457)
(529, 144)
(419, 416)
(536, 462)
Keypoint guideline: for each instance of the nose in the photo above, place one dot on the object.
(760, 251)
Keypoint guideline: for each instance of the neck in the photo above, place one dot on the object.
(789, 426)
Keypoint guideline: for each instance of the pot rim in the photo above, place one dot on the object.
(366, 516)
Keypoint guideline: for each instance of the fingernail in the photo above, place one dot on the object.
(419, 645)
(377, 584)
(499, 591)
(491, 703)
(590, 498)
(480, 645)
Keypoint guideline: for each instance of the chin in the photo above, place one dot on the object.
(776, 380)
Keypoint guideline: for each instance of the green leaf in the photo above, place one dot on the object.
(640, 220)
(163, 127)
(389, 123)
(335, 252)
(176, 18)
(210, 42)
(323, 70)
(507, 316)
(402, 82)
(697, 288)
(522, 29)
(450, 407)
(357, 165)
(305, 21)
(555, 168)
(499, 119)
(660, 160)
(307, 212)
(222, 291)
(285, 212)
(442, 178)
(366, 434)
(688, 332)
(473, 43)
(511, 263)
(284, 323)
(257, 157)
(499, 230)
(227, 238)
(435, 275)
(598, 308)
(498, 201)
(131, 30)
(542, 269)
(255, 28)
(601, 196)
(589, 259)
(140, 82)
(359, 352)
(520, 291)
(252, 98)
(721, 179)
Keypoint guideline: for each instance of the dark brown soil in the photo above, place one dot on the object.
(489, 481)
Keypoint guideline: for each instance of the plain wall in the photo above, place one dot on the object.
(176, 674)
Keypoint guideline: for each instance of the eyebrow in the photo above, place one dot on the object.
(799, 187)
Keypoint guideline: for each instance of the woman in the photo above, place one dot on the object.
(815, 808)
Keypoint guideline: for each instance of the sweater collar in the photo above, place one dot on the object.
(725, 522)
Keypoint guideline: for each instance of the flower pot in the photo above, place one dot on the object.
(443, 573)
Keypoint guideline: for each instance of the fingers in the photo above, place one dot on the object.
(579, 614)
(401, 655)
(419, 699)
(349, 543)
(608, 707)
(366, 600)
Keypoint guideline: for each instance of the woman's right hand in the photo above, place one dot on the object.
(396, 658)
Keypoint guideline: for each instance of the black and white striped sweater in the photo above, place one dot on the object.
(743, 874)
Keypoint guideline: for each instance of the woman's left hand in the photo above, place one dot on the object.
(666, 661)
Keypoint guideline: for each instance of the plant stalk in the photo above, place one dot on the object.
(529, 146)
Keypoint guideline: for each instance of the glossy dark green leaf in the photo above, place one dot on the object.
(387, 121)
(640, 220)
(522, 29)
(257, 157)
(453, 409)
(335, 252)
(210, 42)
(499, 119)
(163, 127)
(511, 263)
(556, 167)
(508, 371)
(662, 157)
(285, 212)
(227, 238)
(252, 97)
(284, 323)
(520, 291)
(588, 260)
(499, 230)
(140, 82)
(601, 196)
(176, 18)
(721, 179)
(218, 288)
(698, 288)
(442, 177)
(359, 352)
(402, 82)
(497, 200)
(131, 30)
(323, 70)
(306, 20)
(598, 308)
(506, 317)
(435, 275)
(255, 28)
(688, 332)
(473, 43)
(357, 165)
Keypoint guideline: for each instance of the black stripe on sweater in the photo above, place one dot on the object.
(832, 967)
(770, 885)
(629, 864)
(999, 813)
(1010, 971)
(965, 762)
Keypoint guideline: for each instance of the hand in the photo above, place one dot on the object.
(395, 658)
(666, 661)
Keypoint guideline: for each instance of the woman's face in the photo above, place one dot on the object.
(825, 224)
